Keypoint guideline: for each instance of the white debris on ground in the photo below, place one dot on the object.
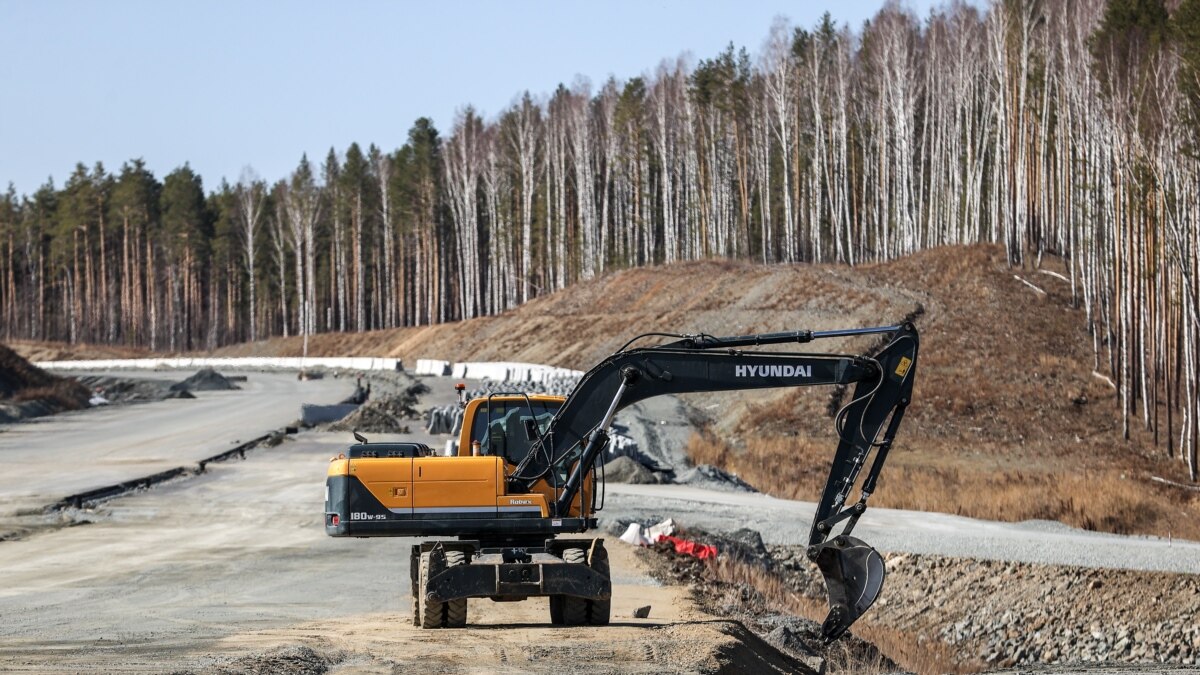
(638, 535)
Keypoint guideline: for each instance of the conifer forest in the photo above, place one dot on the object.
(1051, 127)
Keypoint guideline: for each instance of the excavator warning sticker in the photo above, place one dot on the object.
(902, 369)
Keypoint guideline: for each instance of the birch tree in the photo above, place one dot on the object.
(251, 196)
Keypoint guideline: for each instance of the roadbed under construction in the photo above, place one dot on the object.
(231, 570)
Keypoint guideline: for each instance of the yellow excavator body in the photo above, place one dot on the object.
(473, 481)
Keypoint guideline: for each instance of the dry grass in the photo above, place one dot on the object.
(64, 351)
(911, 651)
(1106, 500)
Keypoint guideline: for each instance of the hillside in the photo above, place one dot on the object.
(1008, 421)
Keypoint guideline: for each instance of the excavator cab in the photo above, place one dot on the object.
(507, 425)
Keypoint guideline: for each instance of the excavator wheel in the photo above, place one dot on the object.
(572, 611)
(416, 561)
(456, 610)
(600, 610)
(434, 614)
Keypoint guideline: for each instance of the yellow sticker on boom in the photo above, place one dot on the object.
(902, 369)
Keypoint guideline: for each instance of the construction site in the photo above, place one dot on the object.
(171, 518)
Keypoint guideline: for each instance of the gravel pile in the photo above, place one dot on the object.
(27, 391)
(990, 614)
(1015, 614)
(131, 390)
(798, 636)
(386, 414)
(206, 379)
(628, 470)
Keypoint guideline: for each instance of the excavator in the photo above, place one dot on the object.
(507, 514)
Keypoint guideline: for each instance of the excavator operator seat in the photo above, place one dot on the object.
(517, 441)
(496, 443)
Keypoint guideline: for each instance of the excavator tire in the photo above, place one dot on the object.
(456, 610)
(417, 589)
(433, 614)
(570, 610)
(600, 610)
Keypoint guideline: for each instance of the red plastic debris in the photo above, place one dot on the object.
(692, 548)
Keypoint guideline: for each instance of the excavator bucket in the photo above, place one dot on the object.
(853, 574)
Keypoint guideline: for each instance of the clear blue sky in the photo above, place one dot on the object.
(224, 85)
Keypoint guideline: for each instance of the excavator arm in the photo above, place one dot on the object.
(866, 426)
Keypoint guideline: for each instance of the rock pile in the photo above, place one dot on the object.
(1014, 614)
(708, 476)
(990, 614)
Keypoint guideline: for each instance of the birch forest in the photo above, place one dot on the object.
(1064, 127)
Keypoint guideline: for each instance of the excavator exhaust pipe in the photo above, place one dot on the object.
(853, 574)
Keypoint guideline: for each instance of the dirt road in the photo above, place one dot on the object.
(232, 569)
(45, 459)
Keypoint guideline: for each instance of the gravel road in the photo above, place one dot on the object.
(48, 458)
(783, 521)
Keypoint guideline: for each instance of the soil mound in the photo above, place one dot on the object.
(206, 379)
(28, 391)
(17, 374)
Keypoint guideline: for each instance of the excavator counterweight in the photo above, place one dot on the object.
(524, 475)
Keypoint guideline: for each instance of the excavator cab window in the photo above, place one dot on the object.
(511, 424)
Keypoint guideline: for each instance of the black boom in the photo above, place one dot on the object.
(883, 382)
